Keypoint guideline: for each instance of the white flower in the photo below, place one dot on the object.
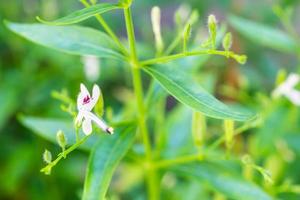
(85, 105)
(91, 67)
(287, 89)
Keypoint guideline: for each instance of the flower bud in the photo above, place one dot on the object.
(247, 160)
(212, 27)
(61, 139)
(194, 17)
(125, 3)
(155, 19)
(212, 24)
(227, 41)
(47, 156)
(93, 2)
(229, 132)
(187, 32)
(242, 59)
(186, 36)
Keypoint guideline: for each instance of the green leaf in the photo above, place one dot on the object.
(264, 35)
(223, 180)
(70, 39)
(99, 108)
(83, 14)
(47, 128)
(177, 139)
(10, 93)
(103, 161)
(185, 90)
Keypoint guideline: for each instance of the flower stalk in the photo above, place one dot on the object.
(137, 84)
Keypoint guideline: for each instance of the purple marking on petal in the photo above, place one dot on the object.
(86, 100)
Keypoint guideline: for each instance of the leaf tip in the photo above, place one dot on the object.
(7, 23)
(39, 19)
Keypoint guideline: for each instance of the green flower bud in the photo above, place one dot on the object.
(93, 2)
(242, 59)
(47, 156)
(227, 41)
(61, 139)
(125, 3)
(186, 36)
(155, 19)
(247, 160)
(212, 27)
(194, 17)
(229, 132)
(187, 32)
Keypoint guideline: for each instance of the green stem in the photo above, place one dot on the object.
(151, 177)
(186, 54)
(238, 131)
(173, 45)
(64, 154)
(77, 134)
(177, 161)
(198, 129)
(229, 132)
(107, 28)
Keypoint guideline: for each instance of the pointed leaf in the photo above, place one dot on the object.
(224, 181)
(263, 34)
(70, 39)
(103, 161)
(47, 128)
(185, 90)
(83, 14)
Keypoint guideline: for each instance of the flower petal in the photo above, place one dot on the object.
(292, 80)
(79, 118)
(82, 94)
(95, 96)
(294, 97)
(101, 124)
(87, 126)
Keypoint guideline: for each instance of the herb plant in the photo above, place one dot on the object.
(140, 138)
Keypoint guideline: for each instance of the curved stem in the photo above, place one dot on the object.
(107, 28)
(64, 154)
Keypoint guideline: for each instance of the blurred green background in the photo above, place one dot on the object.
(29, 73)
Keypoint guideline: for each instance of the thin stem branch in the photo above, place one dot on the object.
(107, 28)
(179, 160)
(163, 59)
(64, 154)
